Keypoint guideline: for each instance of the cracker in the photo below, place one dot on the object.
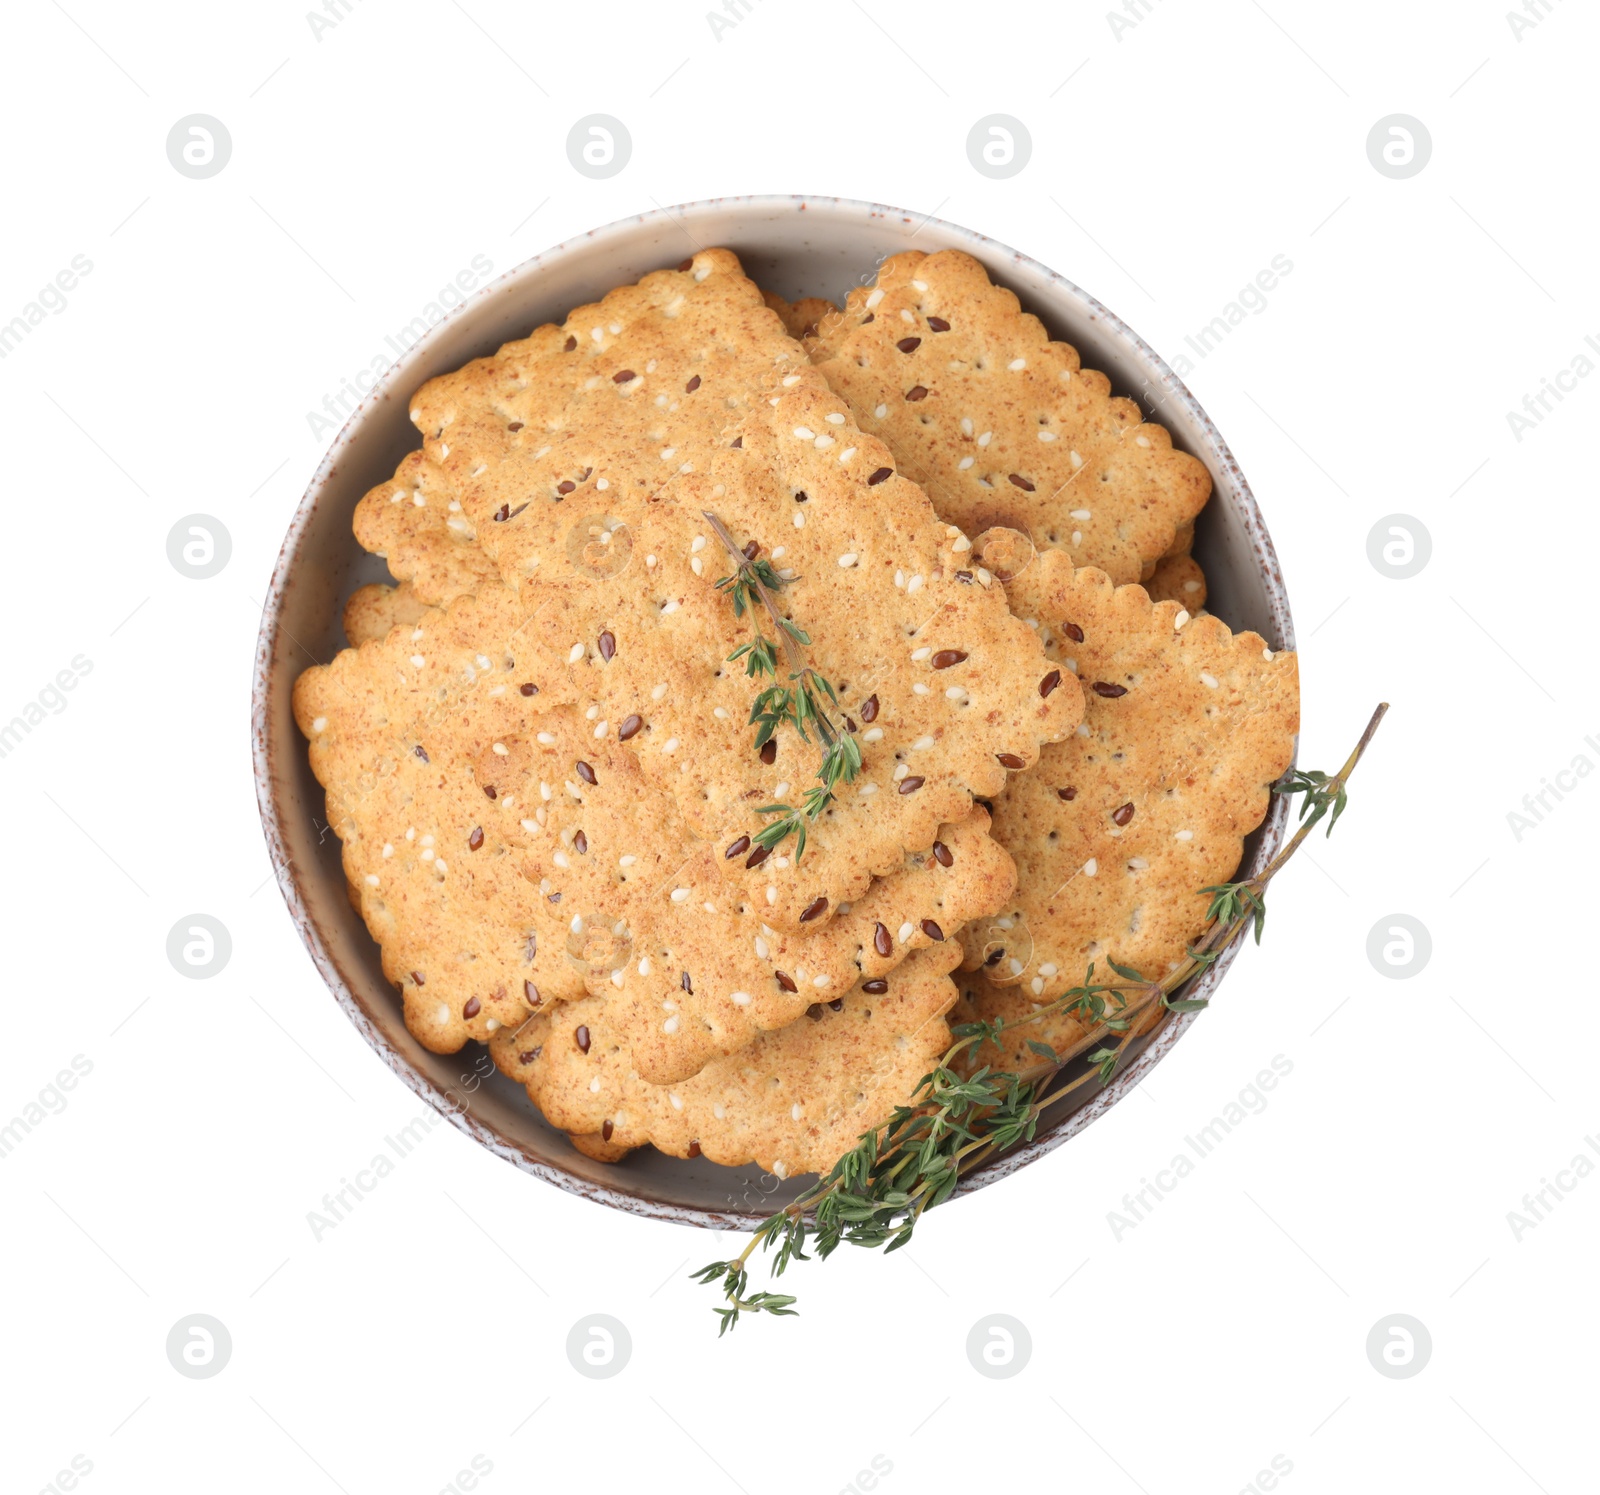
(415, 522)
(801, 318)
(705, 974)
(1186, 727)
(792, 1102)
(472, 894)
(1178, 578)
(374, 609)
(1000, 425)
(574, 427)
(565, 870)
(898, 614)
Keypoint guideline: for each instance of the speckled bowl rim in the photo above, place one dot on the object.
(1217, 457)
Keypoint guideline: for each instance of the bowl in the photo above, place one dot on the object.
(796, 246)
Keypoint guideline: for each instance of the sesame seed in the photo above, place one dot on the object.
(1047, 435)
(502, 750)
(372, 879)
(320, 724)
(1180, 619)
(867, 790)
(956, 693)
(874, 300)
(906, 316)
(657, 692)
(821, 982)
(901, 770)
(388, 850)
(834, 418)
(772, 894)
(1016, 364)
(1037, 985)
(921, 689)
(799, 518)
(721, 713)
(698, 545)
(671, 1026)
(986, 438)
(1077, 537)
(804, 433)
(1266, 654)
(922, 744)
(627, 861)
(575, 653)
(680, 895)
(668, 453)
(872, 734)
(915, 583)
(443, 1014)
(1082, 514)
(1183, 835)
(881, 411)
(418, 660)
(696, 565)
(1048, 968)
(849, 558)
(739, 998)
(562, 860)
(964, 463)
(529, 826)
(1209, 681)
(922, 653)
(670, 745)
(823, 442)
(1091, 867)
(906, 931)
(790, 379)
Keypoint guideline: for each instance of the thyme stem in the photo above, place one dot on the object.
(959, 1116)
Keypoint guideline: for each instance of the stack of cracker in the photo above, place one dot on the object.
(538, 754)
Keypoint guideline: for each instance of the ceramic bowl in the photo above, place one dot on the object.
(796, 246)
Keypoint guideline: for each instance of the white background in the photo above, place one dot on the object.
(1171, 162)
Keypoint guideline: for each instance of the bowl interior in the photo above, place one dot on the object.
(795, 246)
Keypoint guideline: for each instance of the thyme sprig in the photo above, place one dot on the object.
(962, 1113)
(802, 702)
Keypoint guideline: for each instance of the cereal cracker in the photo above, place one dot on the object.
(1000, 425)
(568, 432)
(374, 609)
(1186, 727)
(800, 318)
(946, 691)
(792, 1101)
(1178, 578)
